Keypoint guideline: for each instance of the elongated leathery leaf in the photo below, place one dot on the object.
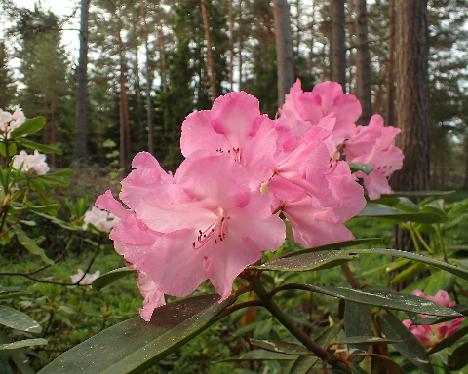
(17, 320)
(408, 345)
(133, 345)
(382, 297)
(30, 126)
(22, 344)
(111, 276)
(386, 212)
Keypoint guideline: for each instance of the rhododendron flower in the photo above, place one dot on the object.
(100, 219)
(33, 164)
(84, 280)
(10, 122)
(431, 335)
(302, 110)
(375, 145)
(203, 223)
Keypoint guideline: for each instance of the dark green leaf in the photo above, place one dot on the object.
(355, 166)
(279, 347)
(357, 322)
(111, 276)
(460, 308)
(383, 364)
(30, 126)
(17, 320)
(31, 245)
(458, 271)
(386, 212)
(421, 193)
(383, 297)
(357, 340)
(22, 344)
(450, 340)
(40, 147)
(408, 345)
(133, 345)
(309, 261)
(260, 355)
(459, 357)
(303, 364)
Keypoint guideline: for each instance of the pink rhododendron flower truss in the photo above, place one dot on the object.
(375, 145)
(431, 335)
(203, 223)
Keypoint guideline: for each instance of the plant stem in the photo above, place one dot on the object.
(298, 333)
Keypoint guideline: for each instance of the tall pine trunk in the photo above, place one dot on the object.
(240, 43)
(337, 50)
(412, 100)
(209, 46)
(390, 104)
(284, 48)
(363, 60)
(138, 116)
(231, 45)
(81, 116)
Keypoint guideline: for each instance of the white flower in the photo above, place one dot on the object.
(87, 279)
(33, 164)
(10, 122)
(100, 219)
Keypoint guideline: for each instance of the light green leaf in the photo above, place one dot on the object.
(22, 344)
(17, 320)
(355, 166)
(40, 147)
(133, 345)
(31, 245)
(279, 347)
(30, 126)
(260, 355)
(386, 212)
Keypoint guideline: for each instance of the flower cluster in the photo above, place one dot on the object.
(10, 121)
(100, 219)
(242, 172)
(33, 164)
(430, 335)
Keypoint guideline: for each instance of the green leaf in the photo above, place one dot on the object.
(356, 166)
(111, 276)
(30, 126)
(447, 342)
(338, 245)
(460, 308)
(17, 320)
(386, 212)
(408, 345)
(365, 340)
(459, 357)
(31, 245)
(40, 147)
(22, 344)
(357, 322)
(458, 271)
(382, 297)
(279, 347)
(316, 260)
(260, 355)
(133, 345)
(421, 193)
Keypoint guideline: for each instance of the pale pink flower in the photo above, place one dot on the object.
(375, 145)
(102, 220)
(302, 110)
(33, 164)
(10, 122)
(152, 297)
(203, 223)
(431, 335)
(84, 280)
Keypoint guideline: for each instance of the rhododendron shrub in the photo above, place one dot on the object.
(243, 171)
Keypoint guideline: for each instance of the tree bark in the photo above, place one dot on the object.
(240, 41)
(338, 50)
(390, 105)
(209, 47)
(363, 61)
(81, 115)
(123, 105)
(412, 101)
(138, 106)
(284, 48)
(230, 45)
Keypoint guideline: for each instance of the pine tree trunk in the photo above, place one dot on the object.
(390, 105)
(230, 45)
(138, 117)
(240, 41)
(81, 115)
(284, 48)
(149, 81)
(412, 101)
(162, 58)
(465, 184)
(209, 46)
(337, 50)
(123, 107)
(363, 61)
